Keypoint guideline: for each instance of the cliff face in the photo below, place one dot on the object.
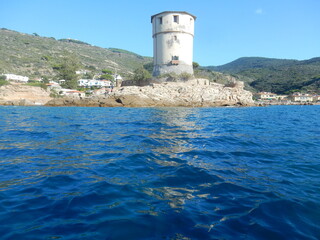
(23, 95)
(196, 93)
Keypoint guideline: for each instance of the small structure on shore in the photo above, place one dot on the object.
(16, 78)
(172, 34)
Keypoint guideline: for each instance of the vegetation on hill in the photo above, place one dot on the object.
(141, 74)
(69, 40)
(3, 80)
(66, 70)
(44, 57)
(35, 56)
(275, 75)
(246, 63)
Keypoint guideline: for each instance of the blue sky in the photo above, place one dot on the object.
(225, 29)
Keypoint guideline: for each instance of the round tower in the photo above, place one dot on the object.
(172, 34)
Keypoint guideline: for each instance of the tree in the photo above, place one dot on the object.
(195, 65)
(106, 76)
(67, 71)
(141, 74)
(148, 67)
(88, 75)
(3, 80)
(106, 71)
(45, 79)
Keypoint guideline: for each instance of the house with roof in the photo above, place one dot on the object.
(94, 83)
(266, 96)
(302, 97)
(72, 93)
(316, 98)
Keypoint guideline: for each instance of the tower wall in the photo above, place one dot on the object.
(172, 42)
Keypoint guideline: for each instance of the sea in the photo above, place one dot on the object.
(160, 173)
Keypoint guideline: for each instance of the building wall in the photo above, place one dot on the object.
(172, 42)
(17, 78)
(302, 98)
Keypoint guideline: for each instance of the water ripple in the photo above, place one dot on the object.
(166, 173)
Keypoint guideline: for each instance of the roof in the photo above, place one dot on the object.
(173, 12)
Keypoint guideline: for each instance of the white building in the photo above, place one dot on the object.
(172, 34)
(82, 72)
(94, 83)
(72, 93)
(16, 78)
(302, 97)
(266, 96)
(316, 98)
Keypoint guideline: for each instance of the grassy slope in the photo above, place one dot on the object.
(34, 56)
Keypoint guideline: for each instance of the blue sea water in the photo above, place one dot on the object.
(160, 173)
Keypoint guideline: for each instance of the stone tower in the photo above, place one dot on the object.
(172, 34)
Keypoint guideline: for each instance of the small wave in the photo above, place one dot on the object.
(116, 173)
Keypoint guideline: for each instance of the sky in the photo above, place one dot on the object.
(225, 30)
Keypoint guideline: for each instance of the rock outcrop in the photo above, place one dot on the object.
(184, 94)
(23, 95)
(195, 93)
(86, 102)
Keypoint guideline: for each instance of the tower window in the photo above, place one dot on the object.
(176, 18)
(160, 20)
(175, 38)
(175, 60)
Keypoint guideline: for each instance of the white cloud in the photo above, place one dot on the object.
(258, 11)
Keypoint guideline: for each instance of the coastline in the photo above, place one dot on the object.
(196, 93)
(193, 93)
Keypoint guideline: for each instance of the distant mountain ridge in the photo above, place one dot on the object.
(246, 63)
(275, 75)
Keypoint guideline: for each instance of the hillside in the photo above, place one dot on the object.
(246, 63)
(275, 75)
(34, 56)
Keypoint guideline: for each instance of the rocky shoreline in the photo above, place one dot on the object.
(23, 95)
(194, 93)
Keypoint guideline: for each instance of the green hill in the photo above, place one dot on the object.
(275, 75)
(35, 56)
(246, 63)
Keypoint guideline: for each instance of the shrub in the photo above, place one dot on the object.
(195, 65)
(37, 84)
(141, 74)
(185, 76)
(3, 80)
(106, 76)
(231, 84)
(106, 71)
(173, 77)
(3, 77)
